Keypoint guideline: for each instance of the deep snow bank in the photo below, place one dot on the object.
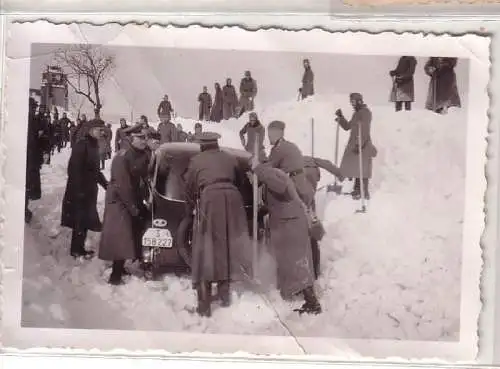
(392, 273)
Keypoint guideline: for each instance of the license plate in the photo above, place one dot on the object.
(155, 237)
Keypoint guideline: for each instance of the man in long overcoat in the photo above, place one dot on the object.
(124, 212)
(359, 143)
(205, 104)
(216, 112)
(108, 134)
(286, 156)
(66, 124)
(168, 131)
(80, 130)
(165, 109)
(403, 90)
(43, 122)
(307, 88)
(248, 91)
(443, 89)
(254, 130)
(79, 207)
(34, 160)
(229, 100)
(121, 135)
(220, 231)
(289, 231)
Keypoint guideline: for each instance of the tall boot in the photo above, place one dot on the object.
(407, 105)
(223, 293)
(315, 257)
(366, 191)
(399, 105)
(311, 304)
(117, 272)
(356, 193)
(204, 293)
(78, 238)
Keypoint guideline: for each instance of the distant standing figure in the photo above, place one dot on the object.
(443, 89)
(121, 135)
(65, 123)
(307, 88)
(165, 109)
(229, 100)
(248, 91)
(253, 130)
(167, 131)
(145, 127)
(216, 113)
(403, 90)
(108, 134)
(359, 125)
(205, 100)
(181, 135)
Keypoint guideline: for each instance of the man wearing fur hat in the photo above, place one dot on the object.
(359, 127)
(253, 131)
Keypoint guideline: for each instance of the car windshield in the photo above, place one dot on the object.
(169, 178)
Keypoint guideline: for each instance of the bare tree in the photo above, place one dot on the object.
(86, 67)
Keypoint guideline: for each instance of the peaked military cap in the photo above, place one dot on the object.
(356, 96)
(207, 137)
(276, 124)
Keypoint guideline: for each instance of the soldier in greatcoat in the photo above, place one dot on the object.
(443, 89)
(216, 111)
(146, 128)
(220, 229)
(125, 212)
(289, 237)
(403, 90)
(248, 91)
(181, 135)
(168, 131)
(205, 104)
(66, 124)
(229, 100)
(165, 109)
(253, 130)
(79, 207)
(360, 128)
(108, 134)
(285, 155)
(307, 88)
(121, 135)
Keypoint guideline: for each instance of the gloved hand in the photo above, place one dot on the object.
(392, 73)
(339, 113)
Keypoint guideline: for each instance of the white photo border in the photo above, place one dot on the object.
(16, 84)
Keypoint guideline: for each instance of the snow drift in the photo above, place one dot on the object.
(392, 273)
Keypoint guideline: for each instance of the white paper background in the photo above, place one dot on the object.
(301, 21)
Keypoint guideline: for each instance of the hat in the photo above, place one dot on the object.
(356, 96)
(276, 124)
(139, 134)
(207, 137)
(253, 115)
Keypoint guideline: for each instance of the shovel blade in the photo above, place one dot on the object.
(334, 188)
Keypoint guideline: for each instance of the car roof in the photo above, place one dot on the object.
(189, 149)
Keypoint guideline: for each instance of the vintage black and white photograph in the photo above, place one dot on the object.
(220, 190)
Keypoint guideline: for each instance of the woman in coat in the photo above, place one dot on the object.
(289, 230)
(403, 90)
(443, 90)
(79, 208)
(216, 112)
(124, 212)
(359, 127)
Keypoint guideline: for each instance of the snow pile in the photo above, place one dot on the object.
(393, 272)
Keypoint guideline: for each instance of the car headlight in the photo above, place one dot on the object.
(147, 254)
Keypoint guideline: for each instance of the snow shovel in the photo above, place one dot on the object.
(361, 184)
(255, 231)
(335, 187)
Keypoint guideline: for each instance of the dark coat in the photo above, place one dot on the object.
(312, 169)
(220, 234)
(205, 100)
(120, 136)
(307, 83)
(286, 156)
(167, 131)
(251, 132)
(403, 86)
(123, 225)
(79, 207)
(248, 91)
(108, 135)
(216, 112)
(229, 102)
(66, 123)
(165, 110)
(34, 158)
(443, 89)
(289, 230)
(359, 123)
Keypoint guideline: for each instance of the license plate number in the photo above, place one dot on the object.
(157, 238)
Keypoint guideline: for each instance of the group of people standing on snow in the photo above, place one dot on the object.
(443, 91)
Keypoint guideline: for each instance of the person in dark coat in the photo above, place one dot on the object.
(145, 127)
(286, 156)
(125, 212)
(359, 127)
(66, 124)
(80, 130)
(205, 104)
(220, 231)
(121, 134)
(79, 207)
(168, 131)
(253, 131)
(43, 122)
(289, 231)
(248, 91)
(307, 88)
(443, 89)
(198, 129)
(181, 135)
(229, 100)
(108, 134)
(216, 112)
(34, 160)
(403, 90)
(165, 109)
